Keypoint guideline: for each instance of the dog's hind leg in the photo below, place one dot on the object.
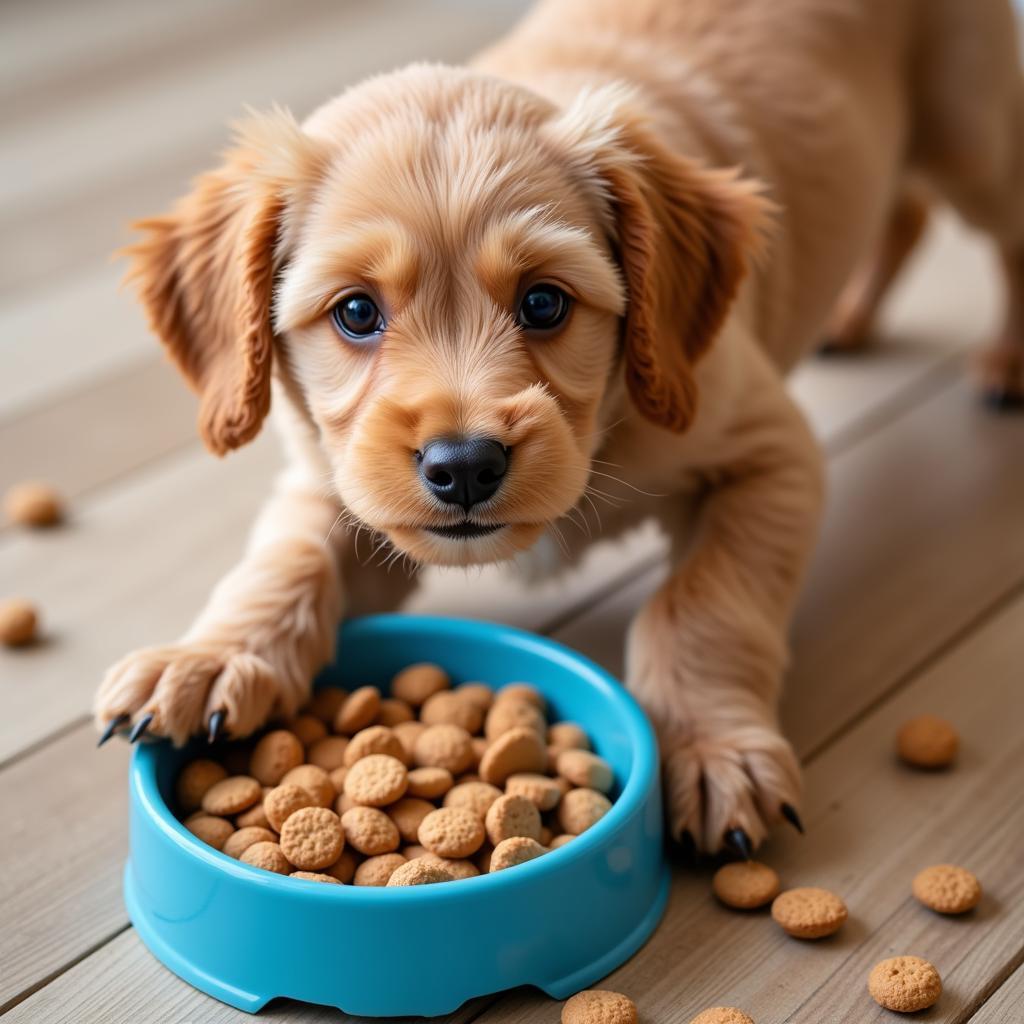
(850, 327)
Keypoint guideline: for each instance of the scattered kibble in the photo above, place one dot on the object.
(599, 1006)
(33, 503)
(928, 742)
(947, 889)
(905, 984)
(19, 623)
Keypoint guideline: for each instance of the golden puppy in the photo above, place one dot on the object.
(465, 290)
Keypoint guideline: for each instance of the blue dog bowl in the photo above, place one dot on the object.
(560, 922)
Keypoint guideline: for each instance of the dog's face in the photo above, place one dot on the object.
(447, 258)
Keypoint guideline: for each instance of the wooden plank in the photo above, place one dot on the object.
(1005, 1004)
(872, 825)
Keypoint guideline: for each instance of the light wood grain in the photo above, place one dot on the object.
(1004, 1006)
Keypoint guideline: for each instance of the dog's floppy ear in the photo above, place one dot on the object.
(205, 272)
(684, 235)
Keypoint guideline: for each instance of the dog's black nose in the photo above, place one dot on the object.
(463, 472)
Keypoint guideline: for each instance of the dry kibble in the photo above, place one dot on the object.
(429, 783)
(452, 832)
(193, 782)
(377, 780)
(359, 710)
(448, 707)
(809, 912)
(268, 856)
(326, 702)
(582, 768)
(370, 831)
(928, 742)
(283, 801)
(560, 841)
(308, 728)
(599, 1006)
(475, 796)
(337, 777)
(947, 889)
(314, 876)
(515, 850)
(393, 711)
(444, 746)
(512, 816)
(344, 803)
(33, 503)
(457, 868)
(418, 682)
(210, 829)
(513, 714)
(256, 816)
(375, 739)
(414, 850)
(518, 750)
(568, 736)
(344, 868)
(522, 692)
(407, 815)
(238, 842)
(378, 870)
(231, 795)
(315, 781)
(407, 733)
(18, 622)
(540, 789)
(905, 984)
(312, 838)
(421, 871)
(581, 809)
(546, 835)
(479, 694)
(328, 753)
(745, 885)
(274, 755)
(722, 1015)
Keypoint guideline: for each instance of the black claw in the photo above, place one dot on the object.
(739, 839)
(111, 727)
(1001, 400)
(139, 728)
(789, 813)
(215, 726)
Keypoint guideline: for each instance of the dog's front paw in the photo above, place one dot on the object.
(184, 689)
(726, 789)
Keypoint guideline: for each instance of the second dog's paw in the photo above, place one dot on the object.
(725, 791)
(184, 689)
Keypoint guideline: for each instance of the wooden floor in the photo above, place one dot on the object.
(915, 603)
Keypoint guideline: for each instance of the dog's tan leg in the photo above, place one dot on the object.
(853, 319)
(706, 655)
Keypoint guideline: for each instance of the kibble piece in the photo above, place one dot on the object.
(809, 912)
(414, 850)
(515, 850)
(581, 809)
(337, 777)
(193, 782)
(479, 694)
(328, 753)
(444, 746)
(559, 841)
(522, 692)
(268, 856)
(33, 503)
(378, 870)
(283, 801)
(568, 736)
(308, 728)
(722, 1015)
(313, 779)
(325, 703)
(231, 795)
(475, 796)
(513, 714)
(457, 868)
(375, 739)
(453, 832)
(407, 814)
(599, 1006)
(745, 885)
(418, 682)
(210, 829)
(370, 831)
(344, 868)
(447, 707)
(256, 816)
(947, 889)
(928, 742)
(359, 710)
(392, 711)
(544, 792)
(314, 876)
(518, 750)
(238, 842)
(344, 803)
(312, 838)
(274, 755)
(582, 768)
(18, 622)
(512, 816)
(905, 984)
(422, 871)
(377, 780)
(407, 733)
(430, 783)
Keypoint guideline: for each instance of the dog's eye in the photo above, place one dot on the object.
(544, 306)
(358, 317)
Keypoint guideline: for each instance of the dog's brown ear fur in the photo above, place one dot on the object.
(205, 272)
(685, 235)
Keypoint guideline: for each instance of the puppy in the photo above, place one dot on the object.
(475, 296)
